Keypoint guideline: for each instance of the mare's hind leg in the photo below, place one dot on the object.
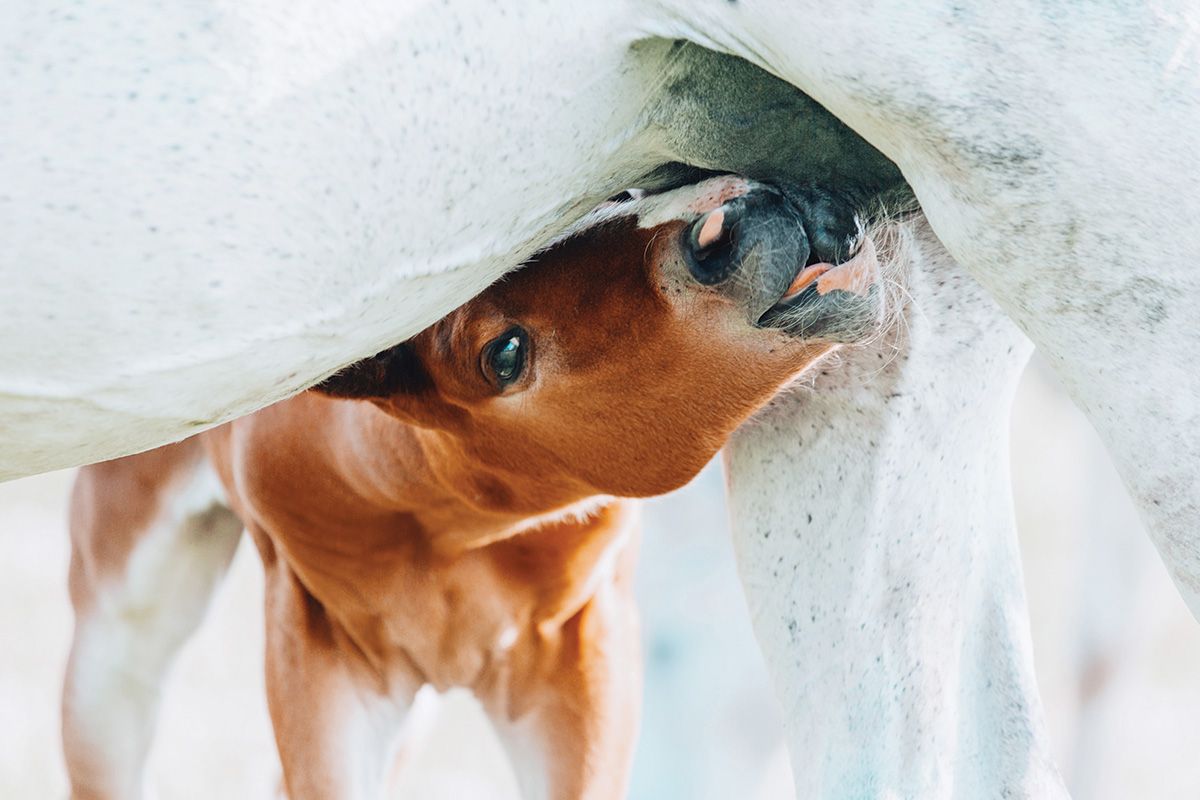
(150, 540)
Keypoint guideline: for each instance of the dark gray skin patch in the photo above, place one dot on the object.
(719, 112)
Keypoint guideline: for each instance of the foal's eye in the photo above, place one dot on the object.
(504, 358)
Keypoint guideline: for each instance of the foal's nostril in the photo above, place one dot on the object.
(714, 229)
(711, 244)
(709, 230)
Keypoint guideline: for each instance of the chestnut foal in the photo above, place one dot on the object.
(451, 511)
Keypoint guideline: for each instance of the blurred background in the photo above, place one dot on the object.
(1117, 652)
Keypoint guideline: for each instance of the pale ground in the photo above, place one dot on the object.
(711, 730)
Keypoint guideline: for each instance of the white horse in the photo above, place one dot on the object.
(206, 208)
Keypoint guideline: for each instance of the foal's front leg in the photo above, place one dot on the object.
(572, 737)
(337, 726)
(151, 540)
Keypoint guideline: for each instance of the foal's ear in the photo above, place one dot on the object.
(397, 370)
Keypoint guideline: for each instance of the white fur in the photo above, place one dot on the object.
(529, 764)
(508, 637)
(877, 546)
(373, 734)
